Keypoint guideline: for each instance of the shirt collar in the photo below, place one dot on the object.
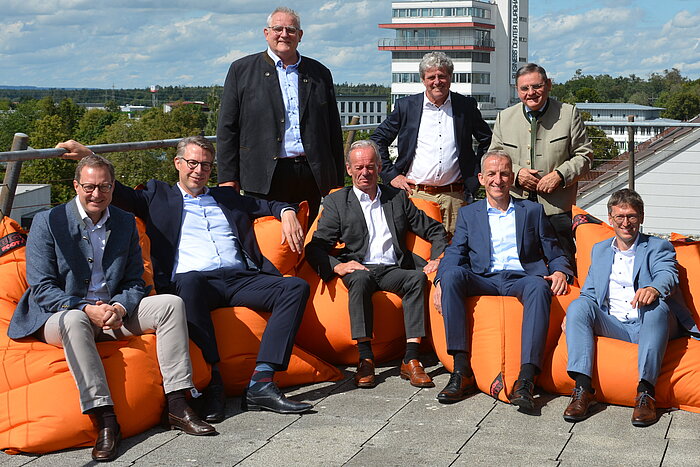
(362, 196)
(278, 61)
(86, 218)
(495, 209)
(630, 250)
(427, 103)
(187, 195)
(542, 110)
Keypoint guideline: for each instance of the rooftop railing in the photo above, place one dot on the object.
(437, 42)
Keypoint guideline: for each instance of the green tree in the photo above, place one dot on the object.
(682, 104)
(587, 95)
(93, 124)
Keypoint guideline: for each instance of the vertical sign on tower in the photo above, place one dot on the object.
(514, 38)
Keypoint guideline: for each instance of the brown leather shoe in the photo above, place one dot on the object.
(459, 388)
(191, 424)
(414, 372)
(579, 406)
(364, 377)
(106, 445)
(644, 413)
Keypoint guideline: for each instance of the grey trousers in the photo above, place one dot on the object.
(76, 334)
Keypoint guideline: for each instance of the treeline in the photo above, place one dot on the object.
(669, 89)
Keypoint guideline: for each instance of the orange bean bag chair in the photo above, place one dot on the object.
(325, 330)
(615, 371)
(494, 330)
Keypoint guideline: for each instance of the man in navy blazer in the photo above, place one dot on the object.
(435, 160)
(631, 294)
(84, 271)
(204, 250)
(502, 246)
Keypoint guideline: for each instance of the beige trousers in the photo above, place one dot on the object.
(449, 203)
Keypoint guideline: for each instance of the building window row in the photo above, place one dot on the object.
(474, 78)
(360, 106)
(457, 56)
(440, 12)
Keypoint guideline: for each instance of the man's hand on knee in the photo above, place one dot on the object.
(558, 280)
(644, 296)
(437, 298)
(346, 268)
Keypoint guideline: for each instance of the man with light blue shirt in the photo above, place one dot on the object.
(279, 135)
(502, 246)
(204, 249)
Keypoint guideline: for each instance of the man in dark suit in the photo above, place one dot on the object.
(372, 221)
(502, 246)
(204, 250)
(279, 135)
(84, 271)
(631, 294)
(435, 160)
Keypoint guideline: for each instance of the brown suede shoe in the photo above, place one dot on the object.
(579, 406)
(414, 372)
(644, 413)
(364, 377)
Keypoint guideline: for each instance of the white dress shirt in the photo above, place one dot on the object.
(381, 248)
(504, 244)
(97, 236)
(435, 162)
(621, 288)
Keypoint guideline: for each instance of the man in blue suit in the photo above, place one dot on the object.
(435, 160)
(631, 294)
(84, 271)
(502, 246)
(204, 250)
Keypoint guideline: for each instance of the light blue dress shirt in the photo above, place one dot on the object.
(289, 85)
(504, 244)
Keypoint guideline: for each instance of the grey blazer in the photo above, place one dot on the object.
(59, 264)
(342, 220)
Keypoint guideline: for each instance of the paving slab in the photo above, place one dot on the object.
(684, 425)
(388, 457)
(681, 453)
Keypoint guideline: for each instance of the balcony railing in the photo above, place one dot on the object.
(437, 42)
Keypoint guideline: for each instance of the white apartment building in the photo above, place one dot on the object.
(486, 40)
(370, 109)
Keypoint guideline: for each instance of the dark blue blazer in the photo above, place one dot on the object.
(404, 122)
(538, 249)
(161, 206)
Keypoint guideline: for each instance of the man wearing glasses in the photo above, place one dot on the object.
(84, 271)
(279, 135)
(631, 294)
(204, 250)
(550, 150)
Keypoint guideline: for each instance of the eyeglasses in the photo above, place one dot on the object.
(192, 164)
(534, 87)
(631, 218)
(291, 30)
(90, 187)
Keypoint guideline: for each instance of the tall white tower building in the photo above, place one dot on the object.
(486, 40)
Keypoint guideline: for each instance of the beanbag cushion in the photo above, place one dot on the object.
(495, 328)
(268, 232)
(688, 257)
(588, 230)
(325, 329)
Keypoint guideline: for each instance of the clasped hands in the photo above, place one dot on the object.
(105, 316)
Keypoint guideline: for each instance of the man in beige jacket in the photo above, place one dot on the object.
(550, 150)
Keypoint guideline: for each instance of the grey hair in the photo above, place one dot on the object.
(628, 197)
(94, 160)
(364, 143)
(438, 60)
(198, 140)
(286, 10)
(495, 153)
(530, 68)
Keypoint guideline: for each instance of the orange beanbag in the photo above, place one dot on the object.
(495, 334)
(615, 374)
(268, 232)
(325, 329)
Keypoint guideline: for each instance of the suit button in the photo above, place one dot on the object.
(267, 73)
(279, 140)
(90, 260)
(282, 120)
(87, 281)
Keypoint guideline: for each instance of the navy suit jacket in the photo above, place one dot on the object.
(59, 266)
(654, 266)
(161, 207)
(404, 122)
(342, 220)
(538, 249)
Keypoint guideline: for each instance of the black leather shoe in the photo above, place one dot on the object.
(521, 395)
(269, 397)
(106, 444)
(458, 388)
(191, 424)
(214, 407)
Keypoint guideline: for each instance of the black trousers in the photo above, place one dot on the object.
(293, 182)
(409, 284)
(563, 230)
(284, 297)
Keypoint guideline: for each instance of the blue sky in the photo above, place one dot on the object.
(137, 43)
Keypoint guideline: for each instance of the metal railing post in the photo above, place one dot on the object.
(630, 151)
(20, 142)
(351, 134)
